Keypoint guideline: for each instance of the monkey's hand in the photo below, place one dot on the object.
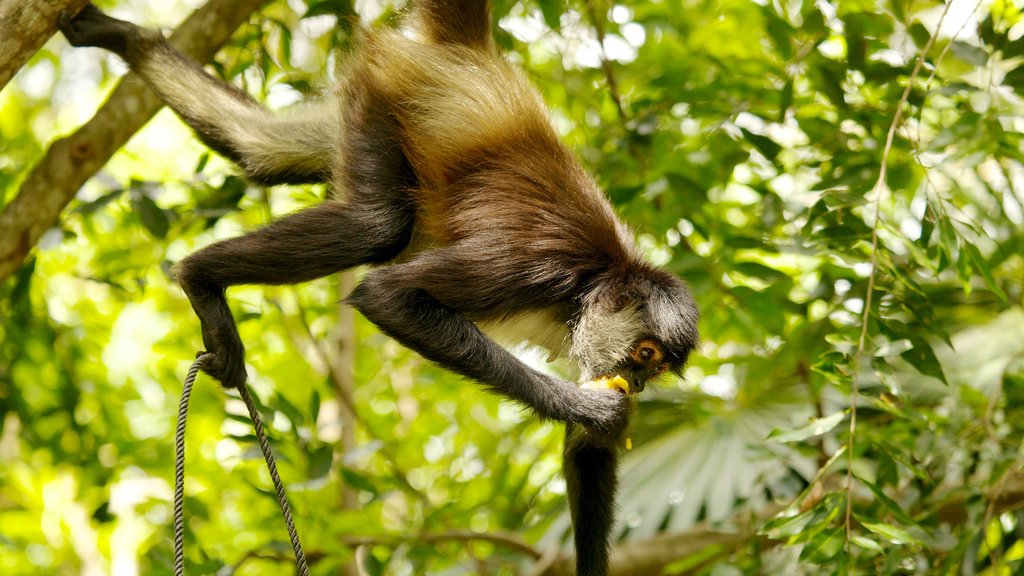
(224, 358)
(604, 412)
(90, 27)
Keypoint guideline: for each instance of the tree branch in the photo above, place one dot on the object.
(71, 161)
(25, 26)
(503, 539)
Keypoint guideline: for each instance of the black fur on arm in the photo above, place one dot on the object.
(392, 299)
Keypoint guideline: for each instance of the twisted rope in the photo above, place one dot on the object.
(179, 472)
(179, 476)
(282, 498)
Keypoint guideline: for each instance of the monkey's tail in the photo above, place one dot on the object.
(591, 482)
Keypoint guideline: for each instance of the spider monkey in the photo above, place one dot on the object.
(448, 177)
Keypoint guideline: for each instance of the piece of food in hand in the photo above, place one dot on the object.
(609, 383)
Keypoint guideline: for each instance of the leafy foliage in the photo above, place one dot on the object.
(855, 407)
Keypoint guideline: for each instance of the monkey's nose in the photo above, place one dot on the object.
(636, 384)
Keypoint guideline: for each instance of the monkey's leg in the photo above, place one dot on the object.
(591, 480)
(389, 298)
(309, 244)
(296, 147)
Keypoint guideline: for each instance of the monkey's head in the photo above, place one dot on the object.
(636, 325)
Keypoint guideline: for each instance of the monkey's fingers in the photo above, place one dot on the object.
(228, 370)
(609, 383)
(91, 27)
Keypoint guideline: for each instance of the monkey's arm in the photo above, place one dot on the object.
(388, 297)
(292, 148)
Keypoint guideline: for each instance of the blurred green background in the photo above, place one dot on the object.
(743, 141)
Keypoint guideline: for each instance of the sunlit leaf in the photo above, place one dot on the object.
(891, 533)
(816, 427)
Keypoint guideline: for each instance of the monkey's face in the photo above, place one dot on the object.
(646, 360)
(638, 330)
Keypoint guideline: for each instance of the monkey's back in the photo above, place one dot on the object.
(487, 160)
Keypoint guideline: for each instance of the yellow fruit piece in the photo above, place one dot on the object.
(608, 383)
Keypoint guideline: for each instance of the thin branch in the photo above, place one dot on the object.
(506, 540)
(878, 189)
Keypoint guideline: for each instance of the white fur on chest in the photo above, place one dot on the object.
(538, 328)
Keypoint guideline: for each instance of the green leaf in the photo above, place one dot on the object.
(899, 9)
(981, 265)
(824, 545)
(889, 503)
(358, 481)
(204, 158)
(758, 270)
(804, 526)
(964, 271)
(947, 242)
(816, 427)
(217, 202)
(866, 543)
(893, 534)
(922, 357)
(688, 564)
(781, 34)
(153, 218)
(290, 411)
(339, 8)
(920, 34)
(1015, 79)
(927, 225)
(552, 11)
(1013, 48)
(970, 53)
(320, 461)
(314, 405)
(856, 44)
(785, 100)
(766, 146)
(88, 208)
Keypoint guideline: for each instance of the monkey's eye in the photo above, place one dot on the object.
(648, 352)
